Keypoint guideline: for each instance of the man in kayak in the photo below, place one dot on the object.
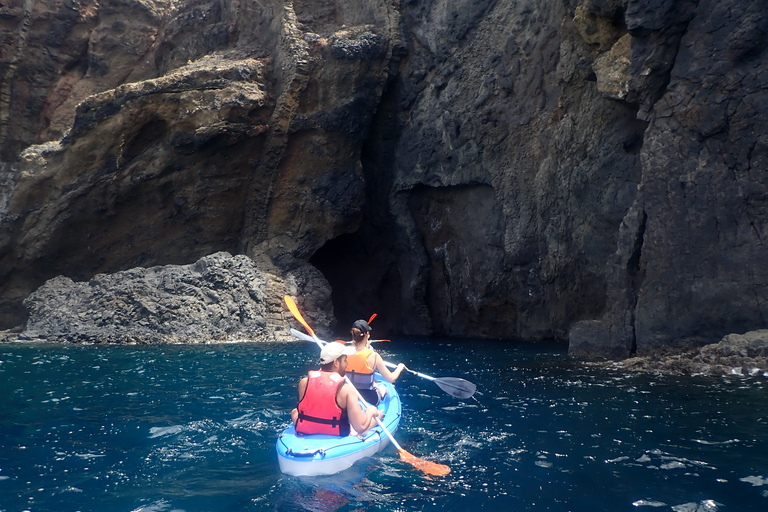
(328, 404)
(361, 365)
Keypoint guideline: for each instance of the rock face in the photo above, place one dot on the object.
(736, 354)
(219, 298)
(186, 128)
(689, 266)
(594, 171)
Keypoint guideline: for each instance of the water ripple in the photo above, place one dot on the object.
(172, 428)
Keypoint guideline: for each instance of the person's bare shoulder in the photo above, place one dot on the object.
(345, 392)
(302, 387)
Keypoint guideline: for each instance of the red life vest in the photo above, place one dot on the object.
(358, 370)
(318, 411)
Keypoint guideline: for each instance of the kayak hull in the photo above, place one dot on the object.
(312, 455)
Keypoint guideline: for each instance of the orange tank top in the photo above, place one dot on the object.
(358, 369)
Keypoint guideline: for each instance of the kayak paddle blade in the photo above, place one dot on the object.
(297, 315)
(454, 386)
(428, 467)
(302, 336)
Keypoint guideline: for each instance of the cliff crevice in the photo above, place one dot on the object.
(590, 171)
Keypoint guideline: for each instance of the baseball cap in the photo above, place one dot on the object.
(333, 351)
(362, 325)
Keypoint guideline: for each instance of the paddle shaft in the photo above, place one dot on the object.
(423, 375)
(365, 405)
(455, 387)
(320, 342)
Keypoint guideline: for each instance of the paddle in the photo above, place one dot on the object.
(304, 337)
(369, 322)
(454, 386)
(431, 468)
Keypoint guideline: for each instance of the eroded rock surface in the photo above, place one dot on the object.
(219, 298)
(592, 171)
(167, 131)
(743, 355)
(689, 268)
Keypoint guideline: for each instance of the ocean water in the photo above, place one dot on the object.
(193, 428)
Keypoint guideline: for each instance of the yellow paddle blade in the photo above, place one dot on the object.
(295, 310)
(428, 467)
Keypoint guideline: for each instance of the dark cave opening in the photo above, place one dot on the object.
(364, 281)
(362, 267)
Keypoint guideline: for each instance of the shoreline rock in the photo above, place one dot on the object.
(219, 298)
(735, 354)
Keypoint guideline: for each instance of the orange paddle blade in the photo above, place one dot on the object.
(295, 310)
(372, 317)
(428, 467)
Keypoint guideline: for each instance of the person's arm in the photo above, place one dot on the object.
(302, 388)
(360, 421)
(384, 371)
(302, 391)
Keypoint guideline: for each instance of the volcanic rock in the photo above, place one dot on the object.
(736, 354)
(592, 171)
(219, 298)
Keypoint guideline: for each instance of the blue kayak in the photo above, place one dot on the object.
(320, 454)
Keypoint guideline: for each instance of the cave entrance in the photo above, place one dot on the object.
(365, 280)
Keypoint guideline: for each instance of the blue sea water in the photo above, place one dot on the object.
(193, 428)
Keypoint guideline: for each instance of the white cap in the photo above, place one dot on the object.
(333, 351)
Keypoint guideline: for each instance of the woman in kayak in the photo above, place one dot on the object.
(361, 365)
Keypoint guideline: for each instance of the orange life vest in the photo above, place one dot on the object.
(358, 370)
(318, 411)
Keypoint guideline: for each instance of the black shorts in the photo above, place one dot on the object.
(370, 395)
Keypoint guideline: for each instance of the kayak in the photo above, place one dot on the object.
(320, 454)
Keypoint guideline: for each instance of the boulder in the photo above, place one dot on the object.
(219, 298)
(735, 354)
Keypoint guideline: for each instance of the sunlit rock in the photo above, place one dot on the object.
(613, 70)
(219, 298)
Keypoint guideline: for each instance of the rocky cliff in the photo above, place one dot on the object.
(593, 171)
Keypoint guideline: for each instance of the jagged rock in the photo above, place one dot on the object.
(736, 354)
(691, 274)
(213, 137)
(612, 70)
(219, 298)
(594, 28)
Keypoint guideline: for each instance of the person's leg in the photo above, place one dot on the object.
(370, 395)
